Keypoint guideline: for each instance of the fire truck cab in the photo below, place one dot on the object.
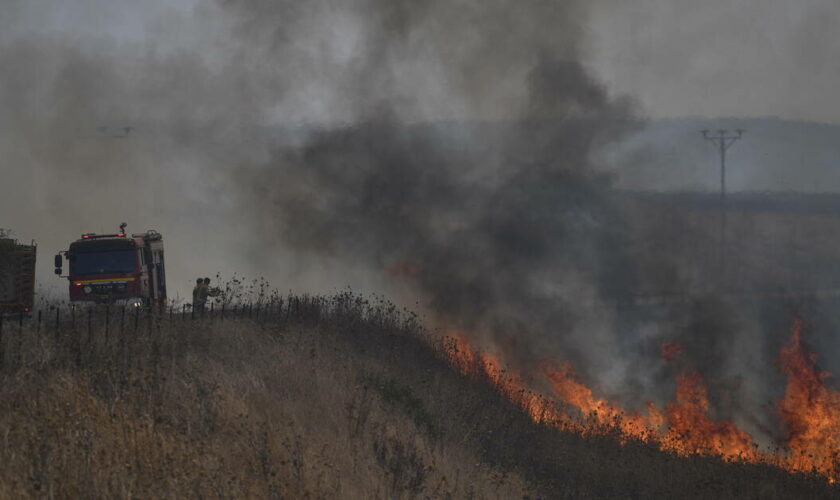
(117, 267)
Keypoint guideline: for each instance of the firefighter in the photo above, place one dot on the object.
(210, 291)
(199, 295)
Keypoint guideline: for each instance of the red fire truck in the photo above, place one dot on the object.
(17, 275)
(117, 267)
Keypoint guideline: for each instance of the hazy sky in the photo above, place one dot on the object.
(676, 57)
(721, 57)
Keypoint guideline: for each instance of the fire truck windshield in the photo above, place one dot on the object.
(107, 262)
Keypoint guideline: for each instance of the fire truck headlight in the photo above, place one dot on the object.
(87, 289)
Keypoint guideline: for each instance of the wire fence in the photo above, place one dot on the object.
(84, 335)
(56, 335)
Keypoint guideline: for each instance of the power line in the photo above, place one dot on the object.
(723, 140)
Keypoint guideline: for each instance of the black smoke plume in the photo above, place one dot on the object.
(497, 223)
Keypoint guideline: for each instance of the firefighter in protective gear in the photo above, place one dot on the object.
(210, 291)
(199, 295)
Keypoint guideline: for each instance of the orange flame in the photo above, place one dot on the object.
(486, 366)
(810, 411)
(602, 413)
(692, 431)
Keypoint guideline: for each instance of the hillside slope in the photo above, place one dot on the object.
(316, 398)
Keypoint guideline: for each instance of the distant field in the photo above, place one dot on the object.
(774, 243)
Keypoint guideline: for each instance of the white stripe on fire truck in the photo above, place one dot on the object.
(121, 280)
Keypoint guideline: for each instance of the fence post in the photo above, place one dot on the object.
(77, 341)
(155, 340)
(90, 326)
(2, 349)
(121, 338)
(73, 317)
(223, 311)
(126, 347)
(19, 353)
(107, 323)
(38, 330)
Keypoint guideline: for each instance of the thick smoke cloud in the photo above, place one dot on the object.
(500, 227)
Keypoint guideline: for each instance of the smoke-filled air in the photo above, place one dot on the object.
(508, 170)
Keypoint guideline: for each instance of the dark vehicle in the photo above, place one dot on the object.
(17, 275)
(118, 267)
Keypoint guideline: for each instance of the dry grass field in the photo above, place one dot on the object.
(332, 397)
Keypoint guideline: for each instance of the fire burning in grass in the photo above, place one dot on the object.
(809, 411)
(690, 429)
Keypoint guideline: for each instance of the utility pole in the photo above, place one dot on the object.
(724, 140)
